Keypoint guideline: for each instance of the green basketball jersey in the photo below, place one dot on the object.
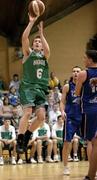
(36, 70)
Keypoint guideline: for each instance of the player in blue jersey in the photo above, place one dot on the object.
(71, 112)
(87, 83)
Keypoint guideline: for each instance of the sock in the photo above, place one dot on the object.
(20, 138)
(27, 137)
(75, 154)
(87, 177)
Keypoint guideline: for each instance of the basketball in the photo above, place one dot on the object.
(36, 8)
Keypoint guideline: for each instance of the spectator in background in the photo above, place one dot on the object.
(52, 114)
(66, 81)
(43, 139)
(50, 100)
(1, 106)
(57, 136)
(15, 82)
(74, 146)
(32, 144)
(7, 139)
(2, 85)
(57, 95)
(6, 110)
(54, 81)
(13, 96)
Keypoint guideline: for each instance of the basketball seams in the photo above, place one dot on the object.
(36, 8)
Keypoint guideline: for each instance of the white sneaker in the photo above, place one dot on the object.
(70, 159)
(96, 175)
(1, 161)
(49, 159)
(56, 158)
(20, 161)
(75, 159)
(13, 161)
(32, 160)
(40, 160)
(66, 171)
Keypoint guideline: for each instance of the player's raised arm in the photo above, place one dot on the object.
(25, 36)
(46, 48)
(80, 80)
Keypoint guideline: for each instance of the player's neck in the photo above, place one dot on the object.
(74, 81)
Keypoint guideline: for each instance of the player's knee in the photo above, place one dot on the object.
(41, 114)
(1, 144)
(39, 141)
(76, 140)
(28, 114)
(50, 141)
(55, 141)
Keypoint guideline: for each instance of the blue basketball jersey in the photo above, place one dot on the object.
(72, 107)
(89, 92)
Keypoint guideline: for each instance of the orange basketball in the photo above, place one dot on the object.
(36, 8)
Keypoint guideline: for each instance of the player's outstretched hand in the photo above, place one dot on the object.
(40, 27)
(31, 19)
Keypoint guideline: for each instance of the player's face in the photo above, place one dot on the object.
(75, 73)
(37, 44)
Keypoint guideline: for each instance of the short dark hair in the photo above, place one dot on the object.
(92, 54)
(76, 67)
(15, 75)
(59, 117)
(7, 118)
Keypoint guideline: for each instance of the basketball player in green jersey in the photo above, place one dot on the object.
(34, 83)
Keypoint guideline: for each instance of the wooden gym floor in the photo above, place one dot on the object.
(45, 171)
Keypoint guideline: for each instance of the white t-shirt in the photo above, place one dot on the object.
(7, 134)
(56, 129)
(44, 130)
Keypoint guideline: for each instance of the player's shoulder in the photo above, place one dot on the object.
(66, 87)
(82, 75)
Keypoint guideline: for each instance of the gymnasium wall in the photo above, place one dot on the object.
(67, 39)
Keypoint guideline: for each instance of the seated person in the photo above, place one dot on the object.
(74, 146)
(17, 114)
(7, 140)
(15, 82)
(57, 136)
(43, 139)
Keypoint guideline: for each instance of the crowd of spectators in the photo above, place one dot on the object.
(47, 141)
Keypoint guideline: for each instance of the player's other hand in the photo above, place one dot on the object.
(40, 27)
